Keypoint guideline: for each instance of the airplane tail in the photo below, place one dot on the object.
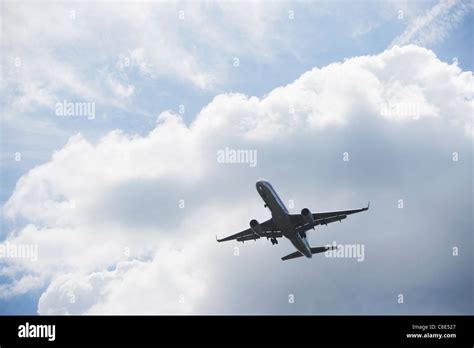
(315, 250)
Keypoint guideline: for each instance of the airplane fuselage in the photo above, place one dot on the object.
(281, 217)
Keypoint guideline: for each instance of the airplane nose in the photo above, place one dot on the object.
(260, 188)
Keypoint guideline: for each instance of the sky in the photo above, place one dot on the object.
(113, 115)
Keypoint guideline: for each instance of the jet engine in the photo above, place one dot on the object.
(307, 217)
(256, 228)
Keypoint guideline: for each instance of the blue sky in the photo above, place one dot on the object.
(138, 61)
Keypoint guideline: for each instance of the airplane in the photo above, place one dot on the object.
(291, 226)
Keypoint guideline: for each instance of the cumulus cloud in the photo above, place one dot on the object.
(140, 53)
(173, 287)
(127, 224)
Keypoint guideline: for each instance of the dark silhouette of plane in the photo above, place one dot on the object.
(291, 226)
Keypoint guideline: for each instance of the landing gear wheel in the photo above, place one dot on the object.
(274, 241)
(303, 234)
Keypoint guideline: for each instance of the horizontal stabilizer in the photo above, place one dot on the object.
(315, 250)
(318, 250)
(292, 256)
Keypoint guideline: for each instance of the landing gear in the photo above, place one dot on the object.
(274, 241)
(303, 234)
(264, 205)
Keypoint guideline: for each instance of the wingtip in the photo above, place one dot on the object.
(368, 205)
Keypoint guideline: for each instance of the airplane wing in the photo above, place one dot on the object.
(323, 218)
(268, 228)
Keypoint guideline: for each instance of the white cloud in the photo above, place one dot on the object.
(115, 204)
(172, 282)
(44, 62)
(435, 25)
